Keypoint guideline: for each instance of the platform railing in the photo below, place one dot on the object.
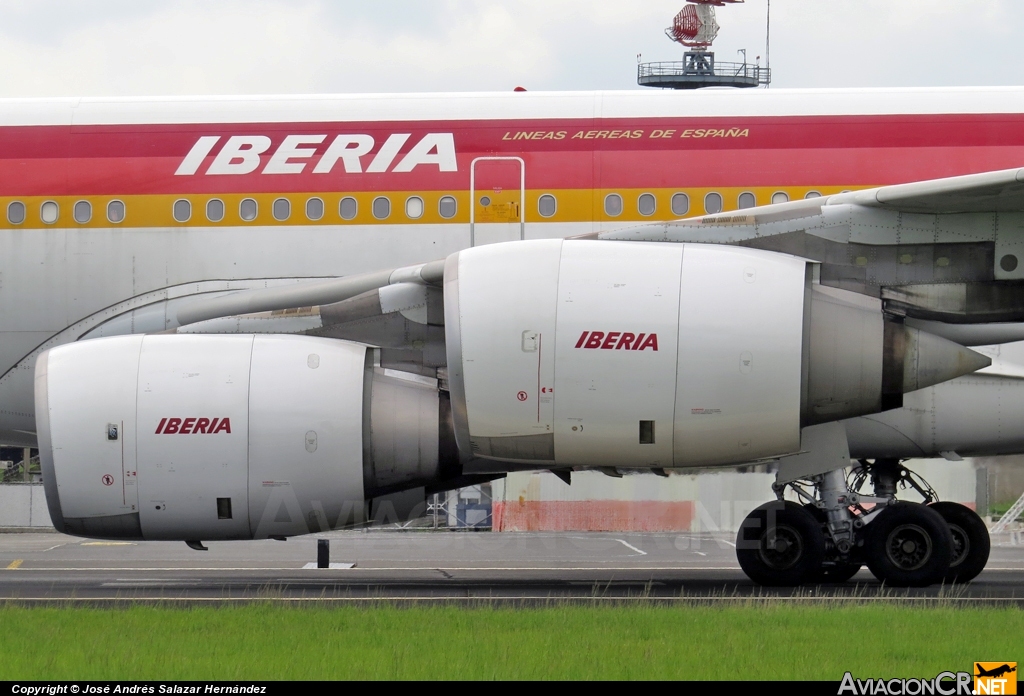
(688, 68)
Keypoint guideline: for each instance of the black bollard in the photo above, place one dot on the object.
(323, 553)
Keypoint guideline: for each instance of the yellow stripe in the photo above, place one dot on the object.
(573, 205)
(15, 564)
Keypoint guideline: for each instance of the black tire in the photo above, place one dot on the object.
(971, 544)
(908, 545)
(836, 571)
(796, 553)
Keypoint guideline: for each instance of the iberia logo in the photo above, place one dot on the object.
(995, 678)
(193, 426)
(617, 340)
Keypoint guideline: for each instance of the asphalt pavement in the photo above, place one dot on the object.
(434, 566)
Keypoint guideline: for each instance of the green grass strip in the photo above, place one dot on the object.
(562, 641)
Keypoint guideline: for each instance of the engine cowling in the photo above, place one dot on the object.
(230, 437)
(567, 353)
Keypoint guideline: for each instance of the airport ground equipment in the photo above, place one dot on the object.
(1011, 516)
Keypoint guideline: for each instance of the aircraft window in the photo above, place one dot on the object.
(413, 207)
(83, 212)
(680, 204)
(746, 200)
(813, 194)
(215, 210)
(282, 209)
(49, 212)
(613, 205)
(713, 203)
(348, 208)
(182, 210)
(314, 208)
(381, 207)
(646, 204)
(447, 207)
(547, 205)
(115, 211)
(247, 209)
(16, 212)
(780, 197)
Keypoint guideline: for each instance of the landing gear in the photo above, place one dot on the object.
(908, 545)
(780, 543)
(839, 528)
(834, 568)
(971, 542)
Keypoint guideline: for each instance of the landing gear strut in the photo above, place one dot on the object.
(839, 528)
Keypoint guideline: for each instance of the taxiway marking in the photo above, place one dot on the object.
(630, 546)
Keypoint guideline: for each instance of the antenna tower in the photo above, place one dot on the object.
(695, 27)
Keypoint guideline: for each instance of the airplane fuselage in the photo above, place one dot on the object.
(116, 213)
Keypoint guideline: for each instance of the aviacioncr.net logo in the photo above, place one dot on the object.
(943, 684)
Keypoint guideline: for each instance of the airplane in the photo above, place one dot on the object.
(995, 671)
(259, 317)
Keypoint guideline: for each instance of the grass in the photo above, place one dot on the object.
(269, 641)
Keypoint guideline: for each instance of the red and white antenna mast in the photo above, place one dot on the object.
(696, 27)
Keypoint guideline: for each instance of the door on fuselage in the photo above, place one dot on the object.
(498, 192)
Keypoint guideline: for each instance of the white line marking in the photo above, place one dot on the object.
(630, 546)
(186, 569)
(700, 553)
(148, 584)
(729, 542)
(53, 547)
(331, 566)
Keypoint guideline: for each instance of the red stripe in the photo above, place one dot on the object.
(834, 167)
(777, 131)
(806, 151)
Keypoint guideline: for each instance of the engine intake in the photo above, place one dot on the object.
(230, 437)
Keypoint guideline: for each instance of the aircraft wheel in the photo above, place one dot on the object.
(780, 544)
(971, 544)
(908, 545)
(838, 571)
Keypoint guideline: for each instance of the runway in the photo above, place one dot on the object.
(433, 566)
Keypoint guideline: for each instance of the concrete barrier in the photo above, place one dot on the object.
(23, 505)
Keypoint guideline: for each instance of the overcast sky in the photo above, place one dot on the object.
(137, 47)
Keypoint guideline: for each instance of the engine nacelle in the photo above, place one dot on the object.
(229, 437)
(586, 353)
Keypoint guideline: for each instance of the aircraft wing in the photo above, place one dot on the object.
(946, 251)
(1001, 191)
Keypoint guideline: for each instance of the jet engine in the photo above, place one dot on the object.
(231, 437)
(589, 353)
